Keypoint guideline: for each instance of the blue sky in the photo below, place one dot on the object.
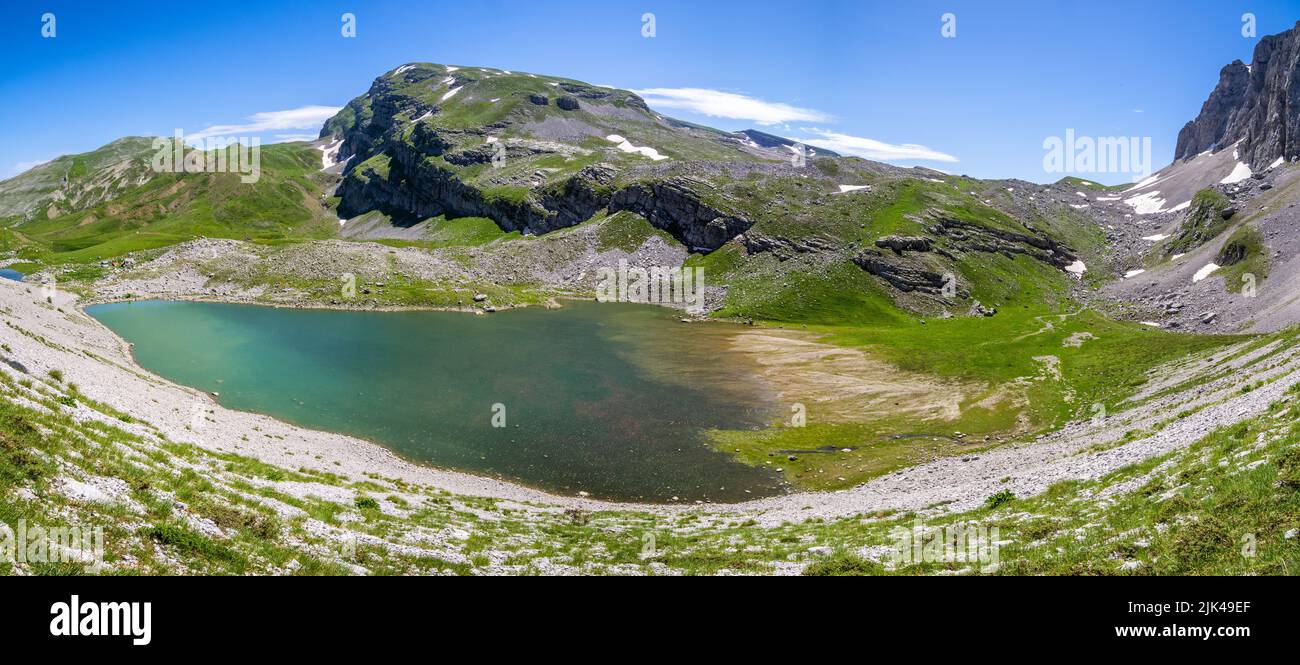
(864, 76)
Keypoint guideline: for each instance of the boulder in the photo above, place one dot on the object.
(901, 244)
(567, 103)
(540, 100)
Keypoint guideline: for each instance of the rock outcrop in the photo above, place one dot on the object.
(1258, 105)
(675, 206)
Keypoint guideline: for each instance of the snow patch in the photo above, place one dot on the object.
(1133, 273)
(451, 93)
(1151, 203)
(329, 154)
(1239, 173)
(1077, 269)
(1157, 237)
(626, 146)
(852, 188)
(1277, 162)
(1204, 272)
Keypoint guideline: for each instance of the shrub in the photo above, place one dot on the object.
(367, 503)
(1000, 499)
(843, 564)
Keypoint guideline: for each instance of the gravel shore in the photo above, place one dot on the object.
(60, 337)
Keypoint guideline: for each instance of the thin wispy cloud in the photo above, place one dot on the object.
(304, 117)
(866, 148)
(734, 106)
(283, 138)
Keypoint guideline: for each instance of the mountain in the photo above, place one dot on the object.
(533, 153)
(110, 201)
(76, 182)
(765, 140)
(1257, 105)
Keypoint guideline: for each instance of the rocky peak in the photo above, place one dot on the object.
(1257, 105)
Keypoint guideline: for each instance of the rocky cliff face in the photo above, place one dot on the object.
(532, 153)
(1258, 105)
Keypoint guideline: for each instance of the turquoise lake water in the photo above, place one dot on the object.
(609, 399)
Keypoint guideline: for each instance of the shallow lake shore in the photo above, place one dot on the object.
(60, 337)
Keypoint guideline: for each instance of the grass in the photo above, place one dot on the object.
(172, 208)
(1243, 259)
(628, 232)
(1202, 223)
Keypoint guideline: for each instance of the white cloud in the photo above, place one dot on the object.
(866, 148)
(305, 117)
(295, 137)
(718, 104)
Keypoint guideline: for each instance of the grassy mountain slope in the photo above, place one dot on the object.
(162, 209)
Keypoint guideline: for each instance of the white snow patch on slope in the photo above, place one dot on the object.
(451, 93)
(1277, 162)
(1204, 272)
(1156, 238)
(1077, 268)
(329, 154)
(1146, 204)
(1133, 273)
(1181, 206)
(452, 69)
(626, 146)
(1153, 324)
(852, 188)
(1239, 173)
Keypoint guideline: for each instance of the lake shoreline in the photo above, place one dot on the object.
(90, 355)
(613, 399)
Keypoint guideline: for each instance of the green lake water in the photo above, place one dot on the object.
(609, 399)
